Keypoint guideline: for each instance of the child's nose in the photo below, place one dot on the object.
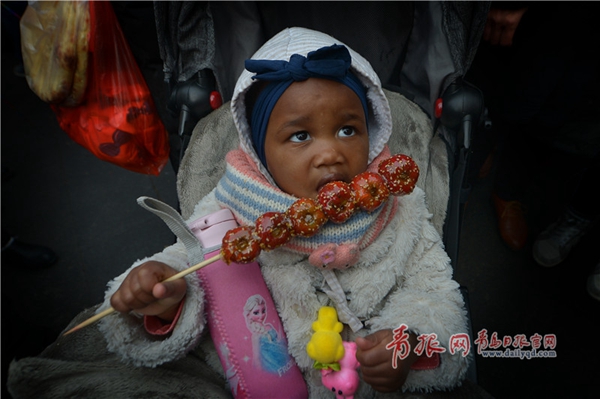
(328, 155)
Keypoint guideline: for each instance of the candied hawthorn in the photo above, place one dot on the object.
(337, 201)
(273, 229)
(306, 217)
(370, 191)
(401, 174)
(240, 245)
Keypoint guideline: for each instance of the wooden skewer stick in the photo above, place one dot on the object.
(110, 310)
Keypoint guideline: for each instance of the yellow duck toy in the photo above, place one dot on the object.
(325, 345)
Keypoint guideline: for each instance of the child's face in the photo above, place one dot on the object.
(258, 313)
(317, 133)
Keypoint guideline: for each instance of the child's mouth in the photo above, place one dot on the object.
(329, 178)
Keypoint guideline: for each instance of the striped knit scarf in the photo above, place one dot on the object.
(247, 193)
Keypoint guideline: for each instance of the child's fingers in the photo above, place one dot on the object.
(125, 301)
(150, 274)
(371, 349)
(137, 290)
(383, 378)
(170, 289)
(365, 343)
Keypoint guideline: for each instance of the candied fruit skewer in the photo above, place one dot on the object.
(400, 172)
(240, 245)
(306, 217)
(273, 229)
(370, 191)
(337, 201)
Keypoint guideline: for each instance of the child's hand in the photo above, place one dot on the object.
(143, 292)
(376, 361)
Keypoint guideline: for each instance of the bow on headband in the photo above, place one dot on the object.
(328, 62)
(331, 63)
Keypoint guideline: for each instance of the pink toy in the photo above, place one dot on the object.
(344, 382)
(333, 256)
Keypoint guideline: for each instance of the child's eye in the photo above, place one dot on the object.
(347, 131)
(299, 137)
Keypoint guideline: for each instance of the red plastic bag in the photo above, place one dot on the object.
(117, 121)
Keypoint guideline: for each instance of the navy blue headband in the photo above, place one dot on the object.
(331, 63)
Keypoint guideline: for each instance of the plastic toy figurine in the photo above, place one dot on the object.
(345, 381)
(325, 345)
(335, 358)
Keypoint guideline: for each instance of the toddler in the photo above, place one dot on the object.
(309, 111)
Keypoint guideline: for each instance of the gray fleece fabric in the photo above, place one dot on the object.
(80, 366)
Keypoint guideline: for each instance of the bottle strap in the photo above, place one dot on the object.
(177, 225)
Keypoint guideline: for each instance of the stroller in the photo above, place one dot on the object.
(435, 112)
(422, 56)
(431, 53)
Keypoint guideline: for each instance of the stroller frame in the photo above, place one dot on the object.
(427, 68)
